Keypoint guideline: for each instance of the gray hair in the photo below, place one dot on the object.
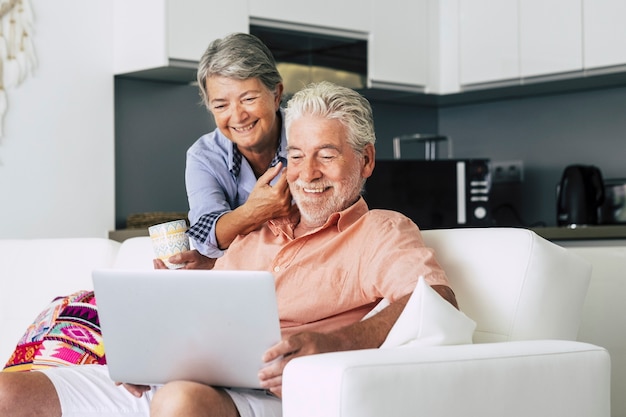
(239, 56)
(332, 101)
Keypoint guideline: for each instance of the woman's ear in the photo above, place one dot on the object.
(278, 95)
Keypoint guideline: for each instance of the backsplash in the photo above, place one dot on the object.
(157, 122)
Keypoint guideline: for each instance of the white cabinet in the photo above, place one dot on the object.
(402, 44)
(340, 14)
(508, 40)
(488, 41)
(605, 33)
(155, 33)
(400, 41)
(550, 37)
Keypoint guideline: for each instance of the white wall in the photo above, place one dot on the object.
(57, 153)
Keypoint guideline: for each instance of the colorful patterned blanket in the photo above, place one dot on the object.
(66, 332)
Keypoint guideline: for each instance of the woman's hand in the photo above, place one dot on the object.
(192, 259)
(264, 203)
(270, 201)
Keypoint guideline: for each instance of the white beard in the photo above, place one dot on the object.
(315, 211)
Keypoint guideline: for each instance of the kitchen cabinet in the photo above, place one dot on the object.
(604, 33)
(550, 33)
(402, 44)
(397, 31)
(347, 15)
(488, 41)
(509, 40)
(152, 34)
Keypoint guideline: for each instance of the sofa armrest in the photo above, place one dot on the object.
(526, 378)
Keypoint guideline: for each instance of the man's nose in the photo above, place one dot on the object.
(310, 170)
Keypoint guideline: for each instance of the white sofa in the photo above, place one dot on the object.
(34, 271)
(524, 292)
(604, 313)
(511, 376)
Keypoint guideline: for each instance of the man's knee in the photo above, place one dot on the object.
(191, 399)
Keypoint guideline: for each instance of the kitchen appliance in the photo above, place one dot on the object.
(579, 196)
(435, 194)
(613, 210)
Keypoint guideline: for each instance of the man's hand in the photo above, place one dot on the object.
(364, 334)
(301, 344)
(136, 390)
(192, 259)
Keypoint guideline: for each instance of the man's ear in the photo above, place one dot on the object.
(369, 160)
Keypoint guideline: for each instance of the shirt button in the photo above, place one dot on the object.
(277, 269)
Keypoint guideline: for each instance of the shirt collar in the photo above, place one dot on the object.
(341, 220)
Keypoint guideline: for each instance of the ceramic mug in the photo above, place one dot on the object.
(169, 239)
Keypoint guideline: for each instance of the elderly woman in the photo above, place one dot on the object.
(233, 174)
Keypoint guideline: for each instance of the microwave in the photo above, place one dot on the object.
(435, 194)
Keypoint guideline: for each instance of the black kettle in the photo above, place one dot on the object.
(580, 194)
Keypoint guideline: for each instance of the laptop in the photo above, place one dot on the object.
(205, 326)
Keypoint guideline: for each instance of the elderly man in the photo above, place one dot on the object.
(333, 261)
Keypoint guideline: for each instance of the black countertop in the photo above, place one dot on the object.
(607, 232)
(582, 232)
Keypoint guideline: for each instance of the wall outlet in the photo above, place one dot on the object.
(507, 171)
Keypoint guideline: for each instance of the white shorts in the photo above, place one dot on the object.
(87, 390)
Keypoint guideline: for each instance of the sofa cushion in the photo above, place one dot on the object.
(429, 320)
(66, 332)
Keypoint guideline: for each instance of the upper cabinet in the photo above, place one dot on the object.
(152, 34)
(551, 34)
(401, 44)
(346, 15)
(164, 39)
(488, 41)
(605, 33)
(507, 40)
(398, 33)
(426, 46)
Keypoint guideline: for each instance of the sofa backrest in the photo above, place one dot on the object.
(35, 271)
(515, 284)
(512, 282)
(135, 253)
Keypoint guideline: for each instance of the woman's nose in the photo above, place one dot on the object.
(238, 111)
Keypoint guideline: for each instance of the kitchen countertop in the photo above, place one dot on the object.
(602, 232)
(122, 234)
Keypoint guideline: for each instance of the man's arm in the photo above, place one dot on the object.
(366, 334)
(447, 294)
(370, 333)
